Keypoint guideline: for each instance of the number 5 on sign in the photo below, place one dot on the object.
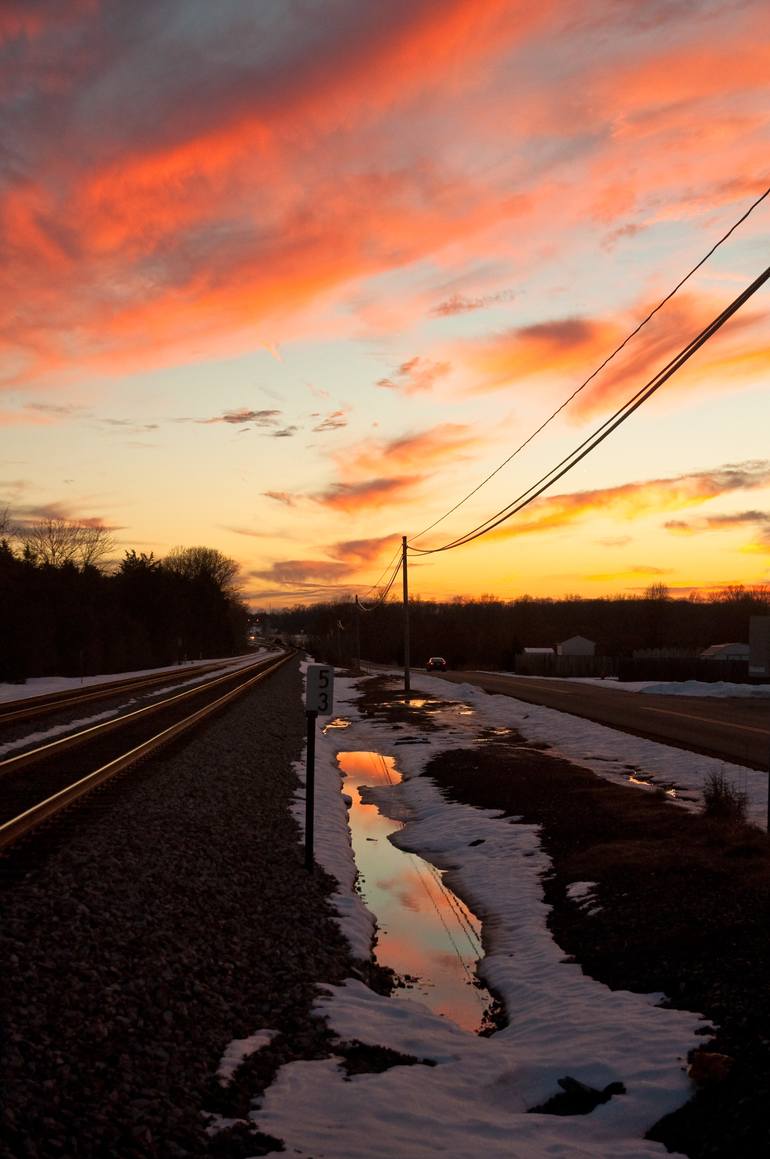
(319, 696)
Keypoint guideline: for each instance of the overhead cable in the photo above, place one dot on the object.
(606, 428)
(384, 594)
(599, 368)
(386, 569)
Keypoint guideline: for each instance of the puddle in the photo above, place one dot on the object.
(338, 722)
(648, 781)
(489, 736)
(426, 934)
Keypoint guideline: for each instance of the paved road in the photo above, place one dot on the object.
(733, 729)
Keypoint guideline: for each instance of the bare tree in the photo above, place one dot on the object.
(204, 563)
(95, 543)
(60, 541)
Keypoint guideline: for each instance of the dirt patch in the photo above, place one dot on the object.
(362, 1058)
(680, 904)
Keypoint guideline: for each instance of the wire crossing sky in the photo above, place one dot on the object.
(285, 280)
(587, 381)
(608, 426)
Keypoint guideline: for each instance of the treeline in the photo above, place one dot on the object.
(67, 617)
(489, 633)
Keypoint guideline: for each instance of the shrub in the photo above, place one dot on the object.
(722, 799)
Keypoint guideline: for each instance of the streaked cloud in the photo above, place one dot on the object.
(55, 410)
(152, 198)
(334, 421)
(415, 376)
(257, 418)
(567, 351)
(372, 493)
(250, 532)
(364, 551)
(461, 304)
(441, 444)
(281, 497)
(755, 521)
(127, 425)
(648, 570)
(615, 541)
(294, 571)
(633, 500)
(25, 514)
(446, 211)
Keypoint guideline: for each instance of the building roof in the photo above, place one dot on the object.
(719, 649)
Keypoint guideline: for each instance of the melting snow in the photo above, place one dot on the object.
(474, 1101)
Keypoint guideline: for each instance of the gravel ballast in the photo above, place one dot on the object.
(176, 917)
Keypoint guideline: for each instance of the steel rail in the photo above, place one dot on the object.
(52, 748)
(47, 703)
(18, 826)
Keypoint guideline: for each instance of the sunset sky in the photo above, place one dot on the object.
(290, 278)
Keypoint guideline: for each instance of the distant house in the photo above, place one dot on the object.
(576, 646)
(537, 651)
(726, 652)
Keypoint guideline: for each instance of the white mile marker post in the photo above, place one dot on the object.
(319, 701)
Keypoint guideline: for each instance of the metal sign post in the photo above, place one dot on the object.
(319, 701)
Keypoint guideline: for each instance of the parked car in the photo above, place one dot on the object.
(436, 664)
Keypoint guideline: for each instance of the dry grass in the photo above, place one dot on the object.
(722, 798)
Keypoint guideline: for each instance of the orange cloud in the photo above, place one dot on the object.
(379, 472)
(416, 375)
(364, 551)
(446, 442)
(568, 350)
(14, 418)
(758, 522)
(189, 215)
(210, 215)
(375, 493)
(632, 500)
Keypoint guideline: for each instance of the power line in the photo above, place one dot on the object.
(386, 569)
(384, 594)
(607, 427)
(599, 368)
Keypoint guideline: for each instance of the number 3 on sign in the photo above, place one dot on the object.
(319, 696)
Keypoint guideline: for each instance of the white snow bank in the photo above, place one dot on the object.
(239, 1050)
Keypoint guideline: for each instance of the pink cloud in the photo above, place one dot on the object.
(364, 551)
(372, 493)
(567, 351)
(415, 376)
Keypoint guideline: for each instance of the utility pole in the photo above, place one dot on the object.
(358, 636)
(406, 617)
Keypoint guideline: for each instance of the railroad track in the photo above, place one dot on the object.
(49, 703)
(38, 783)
